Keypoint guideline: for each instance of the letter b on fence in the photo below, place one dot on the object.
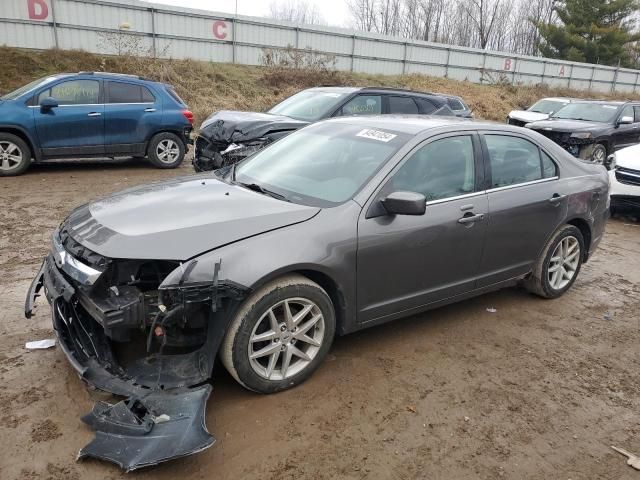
(38, 9)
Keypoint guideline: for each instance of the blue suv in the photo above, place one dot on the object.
(92, 115)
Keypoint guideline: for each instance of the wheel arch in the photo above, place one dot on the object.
(585, 229)
(326, 282)
(24, 135)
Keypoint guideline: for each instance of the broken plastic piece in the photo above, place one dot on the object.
(130, 435)
(40, 344)
(491, 310)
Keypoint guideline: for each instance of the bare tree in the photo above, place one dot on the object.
(296, 11)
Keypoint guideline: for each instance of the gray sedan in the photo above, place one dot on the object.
(344, 224)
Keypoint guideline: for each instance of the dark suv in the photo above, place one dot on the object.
(92, 115)
(227, 137)
(592, 130)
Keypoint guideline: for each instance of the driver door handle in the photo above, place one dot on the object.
(471, 218)
(94, 114)
(149, 109)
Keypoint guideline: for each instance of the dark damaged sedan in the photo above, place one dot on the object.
(342, 225)
(227, 137)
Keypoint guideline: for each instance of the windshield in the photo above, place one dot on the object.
(591, 112)
(322, 165)
(25, 88)
(309, 105)
(547, 106)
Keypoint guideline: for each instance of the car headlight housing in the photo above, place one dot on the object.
(611, 162)
(581, 135)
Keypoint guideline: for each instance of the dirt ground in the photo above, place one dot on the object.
(537, 390)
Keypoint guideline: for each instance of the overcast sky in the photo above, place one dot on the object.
(334, 12)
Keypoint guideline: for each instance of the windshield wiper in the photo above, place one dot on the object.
(260, 189)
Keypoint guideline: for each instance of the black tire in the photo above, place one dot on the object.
(11, 147)
(598, 154)
(234, 351)
(538, 282)
(175, 146)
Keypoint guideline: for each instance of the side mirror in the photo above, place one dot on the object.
(48, 103)
(405, 203)
(626, 120)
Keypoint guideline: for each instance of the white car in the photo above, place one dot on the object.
(624, 176)
(541, 110)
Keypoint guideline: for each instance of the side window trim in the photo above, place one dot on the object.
(487, 163)
(371, 204)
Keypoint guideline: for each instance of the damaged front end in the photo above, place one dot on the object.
(227, 137)
(141, 330)
(578, 144)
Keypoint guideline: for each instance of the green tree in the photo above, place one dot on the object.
(593, 31)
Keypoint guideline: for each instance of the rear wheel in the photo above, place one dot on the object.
(559, 264)
(15, 155)
(166, 150)
(280, 335)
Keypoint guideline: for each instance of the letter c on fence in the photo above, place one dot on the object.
(220, 29)
(507, 64)
(38, 9)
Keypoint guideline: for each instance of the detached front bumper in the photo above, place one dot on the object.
(162, 416)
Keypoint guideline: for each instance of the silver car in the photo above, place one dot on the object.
(344, 224)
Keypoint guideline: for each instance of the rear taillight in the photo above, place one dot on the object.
(188, 115)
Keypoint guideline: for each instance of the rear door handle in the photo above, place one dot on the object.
(149, 109)
(94, 114)
(471, 218)
(557, 198)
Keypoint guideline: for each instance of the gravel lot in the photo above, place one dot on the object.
(537, 390)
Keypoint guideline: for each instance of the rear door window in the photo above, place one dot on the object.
(120, 92)
(74, 92)
(455, 104)
(636, 110)
(426, 107)
(363, 105)
(398, 104)
(515, 160)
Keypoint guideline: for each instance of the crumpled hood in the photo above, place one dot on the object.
(525, 116)
(629, 157)
(179, 219)
(233, 127)
(561, 125)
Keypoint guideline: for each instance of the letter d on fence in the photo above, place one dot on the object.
(38, 9)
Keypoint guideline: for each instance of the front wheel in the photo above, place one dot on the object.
(15, 155)
(598, 154)
(559, 264)
(280, 335)
(166, 150)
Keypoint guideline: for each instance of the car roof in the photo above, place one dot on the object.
(604, 102)
(375, 89)
(415, 124)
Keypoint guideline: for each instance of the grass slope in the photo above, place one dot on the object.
(208, 87)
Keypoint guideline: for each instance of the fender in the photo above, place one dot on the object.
(35, 150)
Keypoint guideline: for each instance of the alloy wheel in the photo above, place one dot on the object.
(10, 156)
(167, 151)
(564, 262)
(286, 338)
(599, 156)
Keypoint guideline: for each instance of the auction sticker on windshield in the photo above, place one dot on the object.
(376, 135)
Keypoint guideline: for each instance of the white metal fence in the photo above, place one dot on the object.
(185, 33)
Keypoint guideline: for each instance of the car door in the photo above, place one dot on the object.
(405, 262)
(76, 126)
(626, 134)
(527, 202)
(132, 115)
